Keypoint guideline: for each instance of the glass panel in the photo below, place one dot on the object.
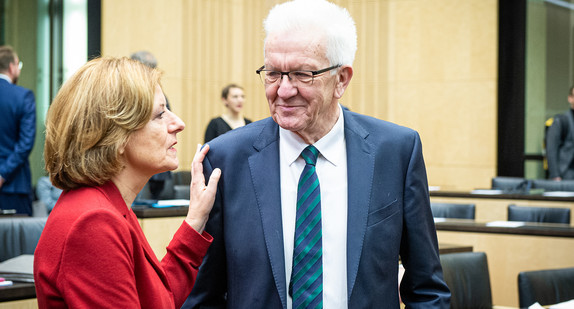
(549, 73)
(24, 25)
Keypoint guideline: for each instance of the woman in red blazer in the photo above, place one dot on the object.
(107, 132)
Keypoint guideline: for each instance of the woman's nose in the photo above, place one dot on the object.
(176, 125)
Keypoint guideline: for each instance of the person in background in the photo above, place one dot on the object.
(145, 57)
(17, 134)
(107, 132)
(47, 193)
(560, 143)
(233, 99)
(156, 183)
(317, 204)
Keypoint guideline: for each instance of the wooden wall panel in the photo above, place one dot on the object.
(442, 82)
(429, 65)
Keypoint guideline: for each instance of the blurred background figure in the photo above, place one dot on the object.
(46, 193)
(156, 184)
(145, 57)
(560, 143)
(233, 99)
(18, 130)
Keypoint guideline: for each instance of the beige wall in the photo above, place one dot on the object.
(428, 65)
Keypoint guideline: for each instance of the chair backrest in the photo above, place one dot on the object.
(550, 286)
(163, 188)
(538, 214)
(448, 210)
(467, 277)
(19, 235)
(506, 183)
(552, 185)
(182, 178)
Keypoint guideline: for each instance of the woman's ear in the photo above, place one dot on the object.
(122, 148)
(344, 75)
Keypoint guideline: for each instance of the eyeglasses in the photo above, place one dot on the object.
(20, 65)
(305, 77)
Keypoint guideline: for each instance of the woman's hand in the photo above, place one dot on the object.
(201, 196)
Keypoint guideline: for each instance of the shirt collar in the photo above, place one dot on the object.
(329, 145)
(5, 77)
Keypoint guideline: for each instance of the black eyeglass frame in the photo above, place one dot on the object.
(313, 73)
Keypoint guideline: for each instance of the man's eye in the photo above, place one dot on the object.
(302, 74)
(273, 74)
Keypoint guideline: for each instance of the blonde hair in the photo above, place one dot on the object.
(92, 118)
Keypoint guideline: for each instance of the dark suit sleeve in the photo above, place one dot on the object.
(211, 284)
(27, 131)
(423, 285)
(553, 143)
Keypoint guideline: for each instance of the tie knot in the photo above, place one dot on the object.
(310, 154)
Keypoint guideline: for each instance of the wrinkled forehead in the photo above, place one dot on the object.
(295, 46)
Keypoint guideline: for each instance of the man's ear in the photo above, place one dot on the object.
(344, 75)
(12, 69)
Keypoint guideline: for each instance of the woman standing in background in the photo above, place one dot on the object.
(233, 98)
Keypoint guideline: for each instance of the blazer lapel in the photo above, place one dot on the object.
(148, 251)
(360, 169)
(264, 167)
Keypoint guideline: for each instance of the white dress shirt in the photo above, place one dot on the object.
(6, 78)
(331, 168)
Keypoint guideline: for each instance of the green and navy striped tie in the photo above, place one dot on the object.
(306, 286)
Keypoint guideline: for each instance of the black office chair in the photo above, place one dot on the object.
(181, 178)
(448, 210)
(467, 277)
(538, 214)
(507, 183)
(550, 286)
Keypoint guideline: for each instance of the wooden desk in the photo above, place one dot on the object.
(160, 224)
(510, 250)
(18, 296)
(452, 248)
(493, 207)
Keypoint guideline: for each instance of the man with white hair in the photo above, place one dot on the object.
(316, 203)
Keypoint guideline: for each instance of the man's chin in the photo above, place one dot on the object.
(290, 123)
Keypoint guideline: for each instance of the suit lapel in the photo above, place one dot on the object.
(360, 169)
(266, 182)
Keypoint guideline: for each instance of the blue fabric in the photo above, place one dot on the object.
(389, 216)
(47, 193)
(21, 202)
(18, 127)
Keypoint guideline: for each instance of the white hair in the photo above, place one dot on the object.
(334, 21)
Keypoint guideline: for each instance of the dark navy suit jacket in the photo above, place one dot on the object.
(388, 216)
(17, 133)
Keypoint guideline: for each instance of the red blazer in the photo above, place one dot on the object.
(93, 254)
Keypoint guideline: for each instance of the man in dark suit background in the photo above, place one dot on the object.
(560, 143)
(18, 130)
(371, 205)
